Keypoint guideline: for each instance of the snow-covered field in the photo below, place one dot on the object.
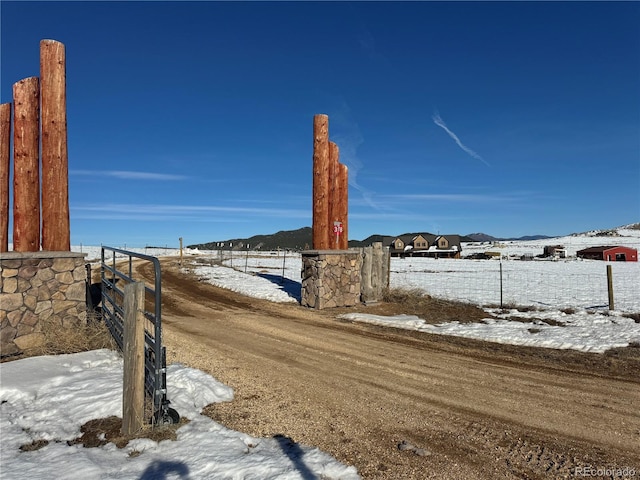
(561, 284)
(545, 284)
(49, 398)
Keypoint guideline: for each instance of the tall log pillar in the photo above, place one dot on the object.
(26, 174)
(334, 192)
(5, 162)
(341, 207)
(55, 184)
(321, 184)
(330, 191)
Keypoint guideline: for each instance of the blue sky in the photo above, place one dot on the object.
(195, 119)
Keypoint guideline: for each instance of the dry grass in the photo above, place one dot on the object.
(99, 432)
(634, 316)
(59, 339)
(414, 297)
(507, 307)
(432, 310)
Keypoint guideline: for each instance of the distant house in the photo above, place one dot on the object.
(557, 251)
(424, 245)
(609, 254)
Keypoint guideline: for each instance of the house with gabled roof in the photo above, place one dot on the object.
(424, 245)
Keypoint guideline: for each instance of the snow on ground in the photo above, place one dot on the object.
(50, 397)
(94, 254)
(269, 288)
(561, 284)
(624, 237)
(587, 332)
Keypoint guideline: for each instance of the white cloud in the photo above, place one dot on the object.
(447, 197)
(129, 175)
(124, 211)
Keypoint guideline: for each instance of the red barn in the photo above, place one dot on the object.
(609, 254)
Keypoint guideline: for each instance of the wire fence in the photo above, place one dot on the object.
(281, 263)
(546, 284)
(570, 284)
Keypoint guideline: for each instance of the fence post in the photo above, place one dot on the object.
(5, 157)
(501, 283)
(26, 165)
(133, 353)
(284, 261)
(610, 287)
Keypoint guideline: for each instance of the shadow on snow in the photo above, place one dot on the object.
(296, 455)
(160, 470)
(290, 287)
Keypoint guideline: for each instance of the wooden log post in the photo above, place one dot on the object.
(321, 231)
(342, 209)
(56, 234)
(26, 165)
(610, 287)
(334, 156)
(5, 162)
(133, 355)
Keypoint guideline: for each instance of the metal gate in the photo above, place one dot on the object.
(113, 277)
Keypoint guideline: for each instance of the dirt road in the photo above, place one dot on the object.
(464, 409)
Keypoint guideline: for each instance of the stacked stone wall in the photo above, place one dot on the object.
(331, 278)
(35, 288)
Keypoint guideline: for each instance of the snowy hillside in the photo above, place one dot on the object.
(625, 236)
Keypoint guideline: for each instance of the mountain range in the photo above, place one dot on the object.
(302, 239)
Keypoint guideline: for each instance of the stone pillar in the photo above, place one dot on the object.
(331, 278)
(38, 287)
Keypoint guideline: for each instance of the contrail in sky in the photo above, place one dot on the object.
(439, 122)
